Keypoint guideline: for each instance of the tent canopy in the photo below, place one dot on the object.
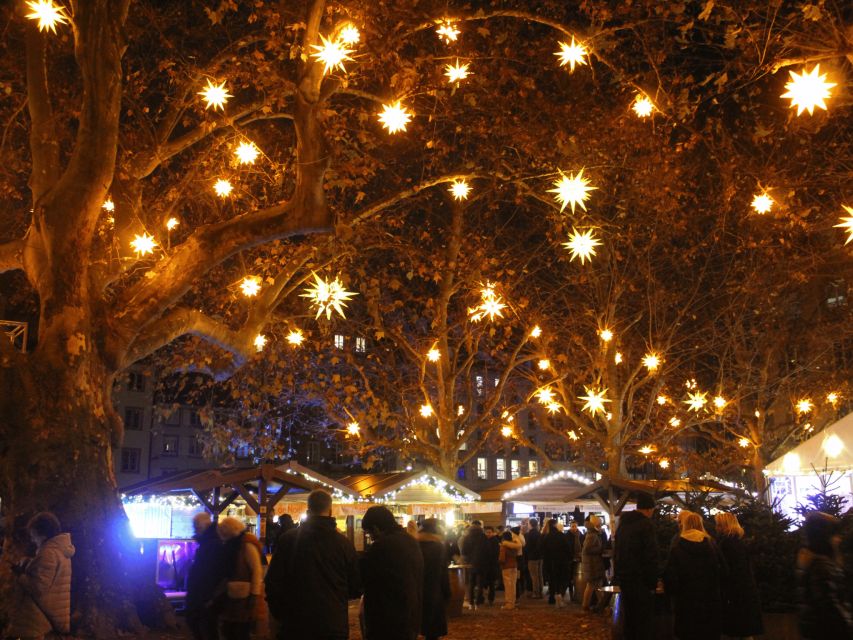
(408, 487)
(545, 489)
(831, 449)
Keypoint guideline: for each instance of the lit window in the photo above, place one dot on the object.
(339, 341)
(478, 383)
(482, 469)
(514, 469)
(360, 345)
(532, 468)
(501, 469)
(170, 445)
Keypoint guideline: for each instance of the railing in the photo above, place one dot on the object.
(17, 333)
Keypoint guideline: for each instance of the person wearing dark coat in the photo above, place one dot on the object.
(393, 576)
(312, 576)
(436, 581)
(825, 608)
(533, 555)
(475, 552)
(205, 574)
(635, 559)
(692, 580)
(741, 603)
(491, 569)
(557, 562)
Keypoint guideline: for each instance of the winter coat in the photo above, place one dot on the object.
(206, 571)
(509, 550)
(692, 580)
(533, 548)
(312, 575)
(436, 586)
(635, 553)
(44, 595)
(244, 579)
(825, 610)
(492, 568)
(393, 575)
(557, 555)
(591, 560)
(475, 550)
(741, 604)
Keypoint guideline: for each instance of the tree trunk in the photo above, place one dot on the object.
(758, 477)
(616, 462)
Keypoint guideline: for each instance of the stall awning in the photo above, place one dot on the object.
(547, 488)
(831, 449)
(424, 486)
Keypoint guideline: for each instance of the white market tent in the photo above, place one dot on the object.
(799, 473)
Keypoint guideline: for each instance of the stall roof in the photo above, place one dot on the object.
(207, 479)
(390, 486)
(831, 449)
(547, 488)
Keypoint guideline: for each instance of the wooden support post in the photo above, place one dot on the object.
(263, 512)
(216, 509)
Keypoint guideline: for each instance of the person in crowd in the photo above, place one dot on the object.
(243, 571)
(492, 569)
(206, 572)
(521, 568)
(508, 558)
(825, 608)
(533, 554)
(475, 553)
(741, 604)
(557, 559)
(312, 575)
(592, 562)
(692, 580)
(576, 538)
(635, 559)
(412, 529)
(393, 575)
(680, 518)
(436, 581)
(452, 542)
(43, 595)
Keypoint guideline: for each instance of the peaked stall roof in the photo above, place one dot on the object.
(545, 488)
(831, 449)
(385, 487)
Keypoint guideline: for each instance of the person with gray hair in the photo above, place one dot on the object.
(206, 572)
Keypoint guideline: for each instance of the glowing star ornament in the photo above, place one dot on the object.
(260, 342)
(572, 54)
(808, 90)
(506, 431)
(572, 189)
(250, 286)
(606, 335)
(582, 245)
(328, 296)
(617, 358)
(573, 435)
(143, 244)
(805, 405)
(847, 224)
(108, 205)
(353, 429)
(720, 402)
(696, 401)
(332, 53)
(646, 450)
(744, 442)
(544, 364)
(456, 73)
(394, 117)
(554, 407)
(222, 188)
(247, 153)
(47, 13)
(762, 203)
(447, 31)
(491, 305)
(651, 361)
(545, 395)
(674, 422)
(349, 34)
(664, 463)
(662, 400)
(215, 95)
(171, 223)
(594, 400)
(459, 189)
(425, 410)
(433, 355)
(535, 332)
(643, 107)
(295, 337)
(832, 398)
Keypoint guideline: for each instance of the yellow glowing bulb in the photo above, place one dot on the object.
(143, 244)
(594, 400)
(554, 407)
(328, 296)
(646, 450)
(222, 188)
(544, 363)
(460, 189)
(545, 395)
(643, 107)
(260, 342)
(535, 332)
(762, 203)
(250, 286)
(506, 431)
(674, 422)
(353, 428)
(808, 90)
(582, 245)
(460, 410)
(696, 401)
(744, 442)
(805, 405)
(832, 398)
(108, 205)
(350, 34)
(651, 361)
(491, 305)
(847, 223)
(433, 355)
(572, 54)
(332, 53)
(48, 14)
(572, 190)
(295, 337)
(664, 463)
(833, 446)
(606, 335)
(573, 435)
(215, 95)
(456, 73)
(394, 117)
(171, 223)
(447, 31)
(720, 402)
(425, 410)
(247, 153)
(662, 399)
(617, 358)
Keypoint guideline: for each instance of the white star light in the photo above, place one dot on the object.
(433, 355)
(582, 245)
(651, 361)
(215, 95)
(491, 305)
(606, 335)
(536, 331)
(108, 205)
(572, 190)
(847, 223)
(143, 244)
(643, 107)
(328, 296)
(460, 189)
(744, 442)
(295, 337)
(222, 188)
(696, 401)
(762, 203)
(448, 32)
(332, 53)
(572, 54)
(394, 117)
(250, 286)
(425, 410)
(674, 422)
(48, 14)
(594, 400)
(544, 364)
(247, 153)
(805, 405)
(353, 428)
(456, 73)
(171, 223)
(808, 90)
(720, 402)
(545, 395)
(350, 34)
(260, 342)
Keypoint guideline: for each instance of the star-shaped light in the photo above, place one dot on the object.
(506, 431)
(606, 335)
(260, 342)
(433, 355)
(662, 400)
(696, 401)
(832, 397)
(646, 450)
(491, 305)
(108, 205)
(664, 463)
(744, 442)
(545, 395)
(332, 53)
(617, 358)
(674, 422)
(544, 364)
(171, 223)
(353, 428)
(808, 90)
(805, 405)
(456, 73)
(572, 190)
(573, 435)
(594, 400)
(425, 410)
(295, 337)
(554, 407)
(394, 117)
(582, 244)
(720, 402)
(535, 332)
(48, 14)
(215, 95)
(350, 34)
(447, 31)
(143, 244)
(246, 152)
(459, 189)
(847, 223)
(250, 286)
(762, 203)
(222, 188)
(572, 54)
(642, 106)
(328, 296)
(651, 361)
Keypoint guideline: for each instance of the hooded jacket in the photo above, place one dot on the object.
(692, 580)
(44, 598)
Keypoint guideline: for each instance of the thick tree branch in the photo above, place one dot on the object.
(44, 143)
(12, 255)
